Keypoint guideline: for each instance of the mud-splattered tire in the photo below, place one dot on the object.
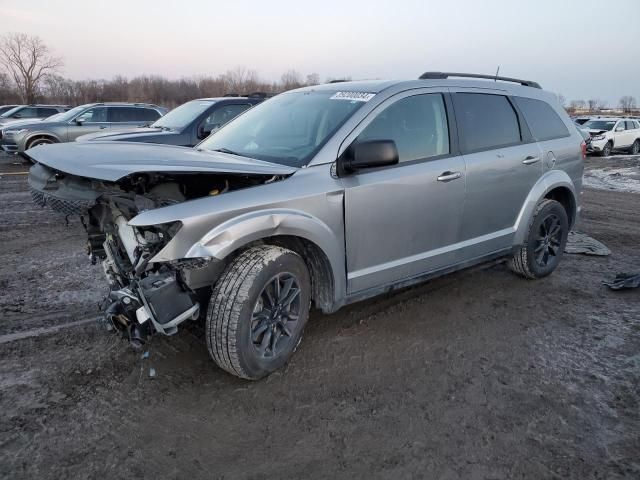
(544, 243)
(243, 311)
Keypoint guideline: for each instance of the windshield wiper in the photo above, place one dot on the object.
(226, 150)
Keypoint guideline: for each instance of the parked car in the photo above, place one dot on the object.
(30, 112)
(185, 125)
(93, 117)
(612, 133)
(6, 108)
(328, 194)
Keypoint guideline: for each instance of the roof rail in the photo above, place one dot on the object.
(258, 95)
(442, 75)
(337, 80)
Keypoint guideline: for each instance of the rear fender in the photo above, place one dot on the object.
(549, 181)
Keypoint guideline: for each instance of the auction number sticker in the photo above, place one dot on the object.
(353, 96)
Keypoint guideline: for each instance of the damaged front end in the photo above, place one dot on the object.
(145, 296)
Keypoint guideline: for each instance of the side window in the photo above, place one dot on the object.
(486, 121)
(147, 114)
(222, 115)
(417, 124)
(123, 114)
(544, 122)
(630, 125)
(619, 127)
(28, 112)
(93, 115)
(46, 112)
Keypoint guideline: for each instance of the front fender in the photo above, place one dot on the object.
(549, 181)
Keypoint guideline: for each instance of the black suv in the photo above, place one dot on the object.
(185, 125)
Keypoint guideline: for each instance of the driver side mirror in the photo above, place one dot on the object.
(79, 121)
(619, 129)
(17, 115)
(368, 154)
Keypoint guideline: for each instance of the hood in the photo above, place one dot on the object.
(112, 161)
(595, 131)
(21, 123)
(5, 122)
(126, 135)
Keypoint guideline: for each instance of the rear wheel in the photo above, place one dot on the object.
(258, 310)
(606, 150)
(545, 241)
(635, 148)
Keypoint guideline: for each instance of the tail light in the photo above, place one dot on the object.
(583, 148)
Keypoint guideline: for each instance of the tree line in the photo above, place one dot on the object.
(30, 74)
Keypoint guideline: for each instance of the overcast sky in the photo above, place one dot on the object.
(568, 46)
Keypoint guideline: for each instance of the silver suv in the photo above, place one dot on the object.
(328, 194)
(67, 126)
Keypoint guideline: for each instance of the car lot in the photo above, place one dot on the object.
(476, 375)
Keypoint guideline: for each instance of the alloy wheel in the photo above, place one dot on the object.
(548, 240)
(275, 315)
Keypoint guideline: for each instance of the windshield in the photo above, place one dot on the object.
(8, 113)
(288, 129)
(600, 124)
(70, 115)
(183, 115)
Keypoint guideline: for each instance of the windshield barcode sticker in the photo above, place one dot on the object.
(353, 96)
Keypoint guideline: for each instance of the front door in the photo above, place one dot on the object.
(89, 121)
(401, 221)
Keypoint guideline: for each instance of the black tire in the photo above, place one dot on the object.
(240, 308)
(40, 141)
(606, 150)
(543, 246)
(635, 148)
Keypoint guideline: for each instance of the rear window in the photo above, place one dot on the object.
(486, 121)
(147, 114)
(544, 122)
(132, 114)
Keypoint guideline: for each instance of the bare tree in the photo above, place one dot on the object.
(601, 105)
(313, 79)
(29, 61)
(627, 103)
(561, 99)
(291, 79)
(592, 103)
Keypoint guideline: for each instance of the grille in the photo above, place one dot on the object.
(68, 207)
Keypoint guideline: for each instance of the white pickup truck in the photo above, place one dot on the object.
(608, 134)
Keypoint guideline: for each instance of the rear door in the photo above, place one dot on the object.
(502, 165)
(632, 131)
(402, 221)
(92, 120)
(621, 137)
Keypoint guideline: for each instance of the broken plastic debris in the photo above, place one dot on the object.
(624, 280)
(581, 243)
(152, 372)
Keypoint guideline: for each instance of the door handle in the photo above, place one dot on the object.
(102, 127)
(531, 160)
(448, 176)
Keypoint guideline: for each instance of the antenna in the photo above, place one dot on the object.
(497, 72)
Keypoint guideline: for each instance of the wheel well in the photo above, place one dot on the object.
(565, 197)
(37, 137)
(320, 271)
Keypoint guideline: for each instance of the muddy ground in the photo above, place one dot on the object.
(475, 375)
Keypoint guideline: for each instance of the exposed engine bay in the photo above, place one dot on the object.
(144, 297)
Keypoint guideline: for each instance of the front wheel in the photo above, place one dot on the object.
(606, 150)
(635, 148)
(258, 310)
(40, 141)
(545, 241)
